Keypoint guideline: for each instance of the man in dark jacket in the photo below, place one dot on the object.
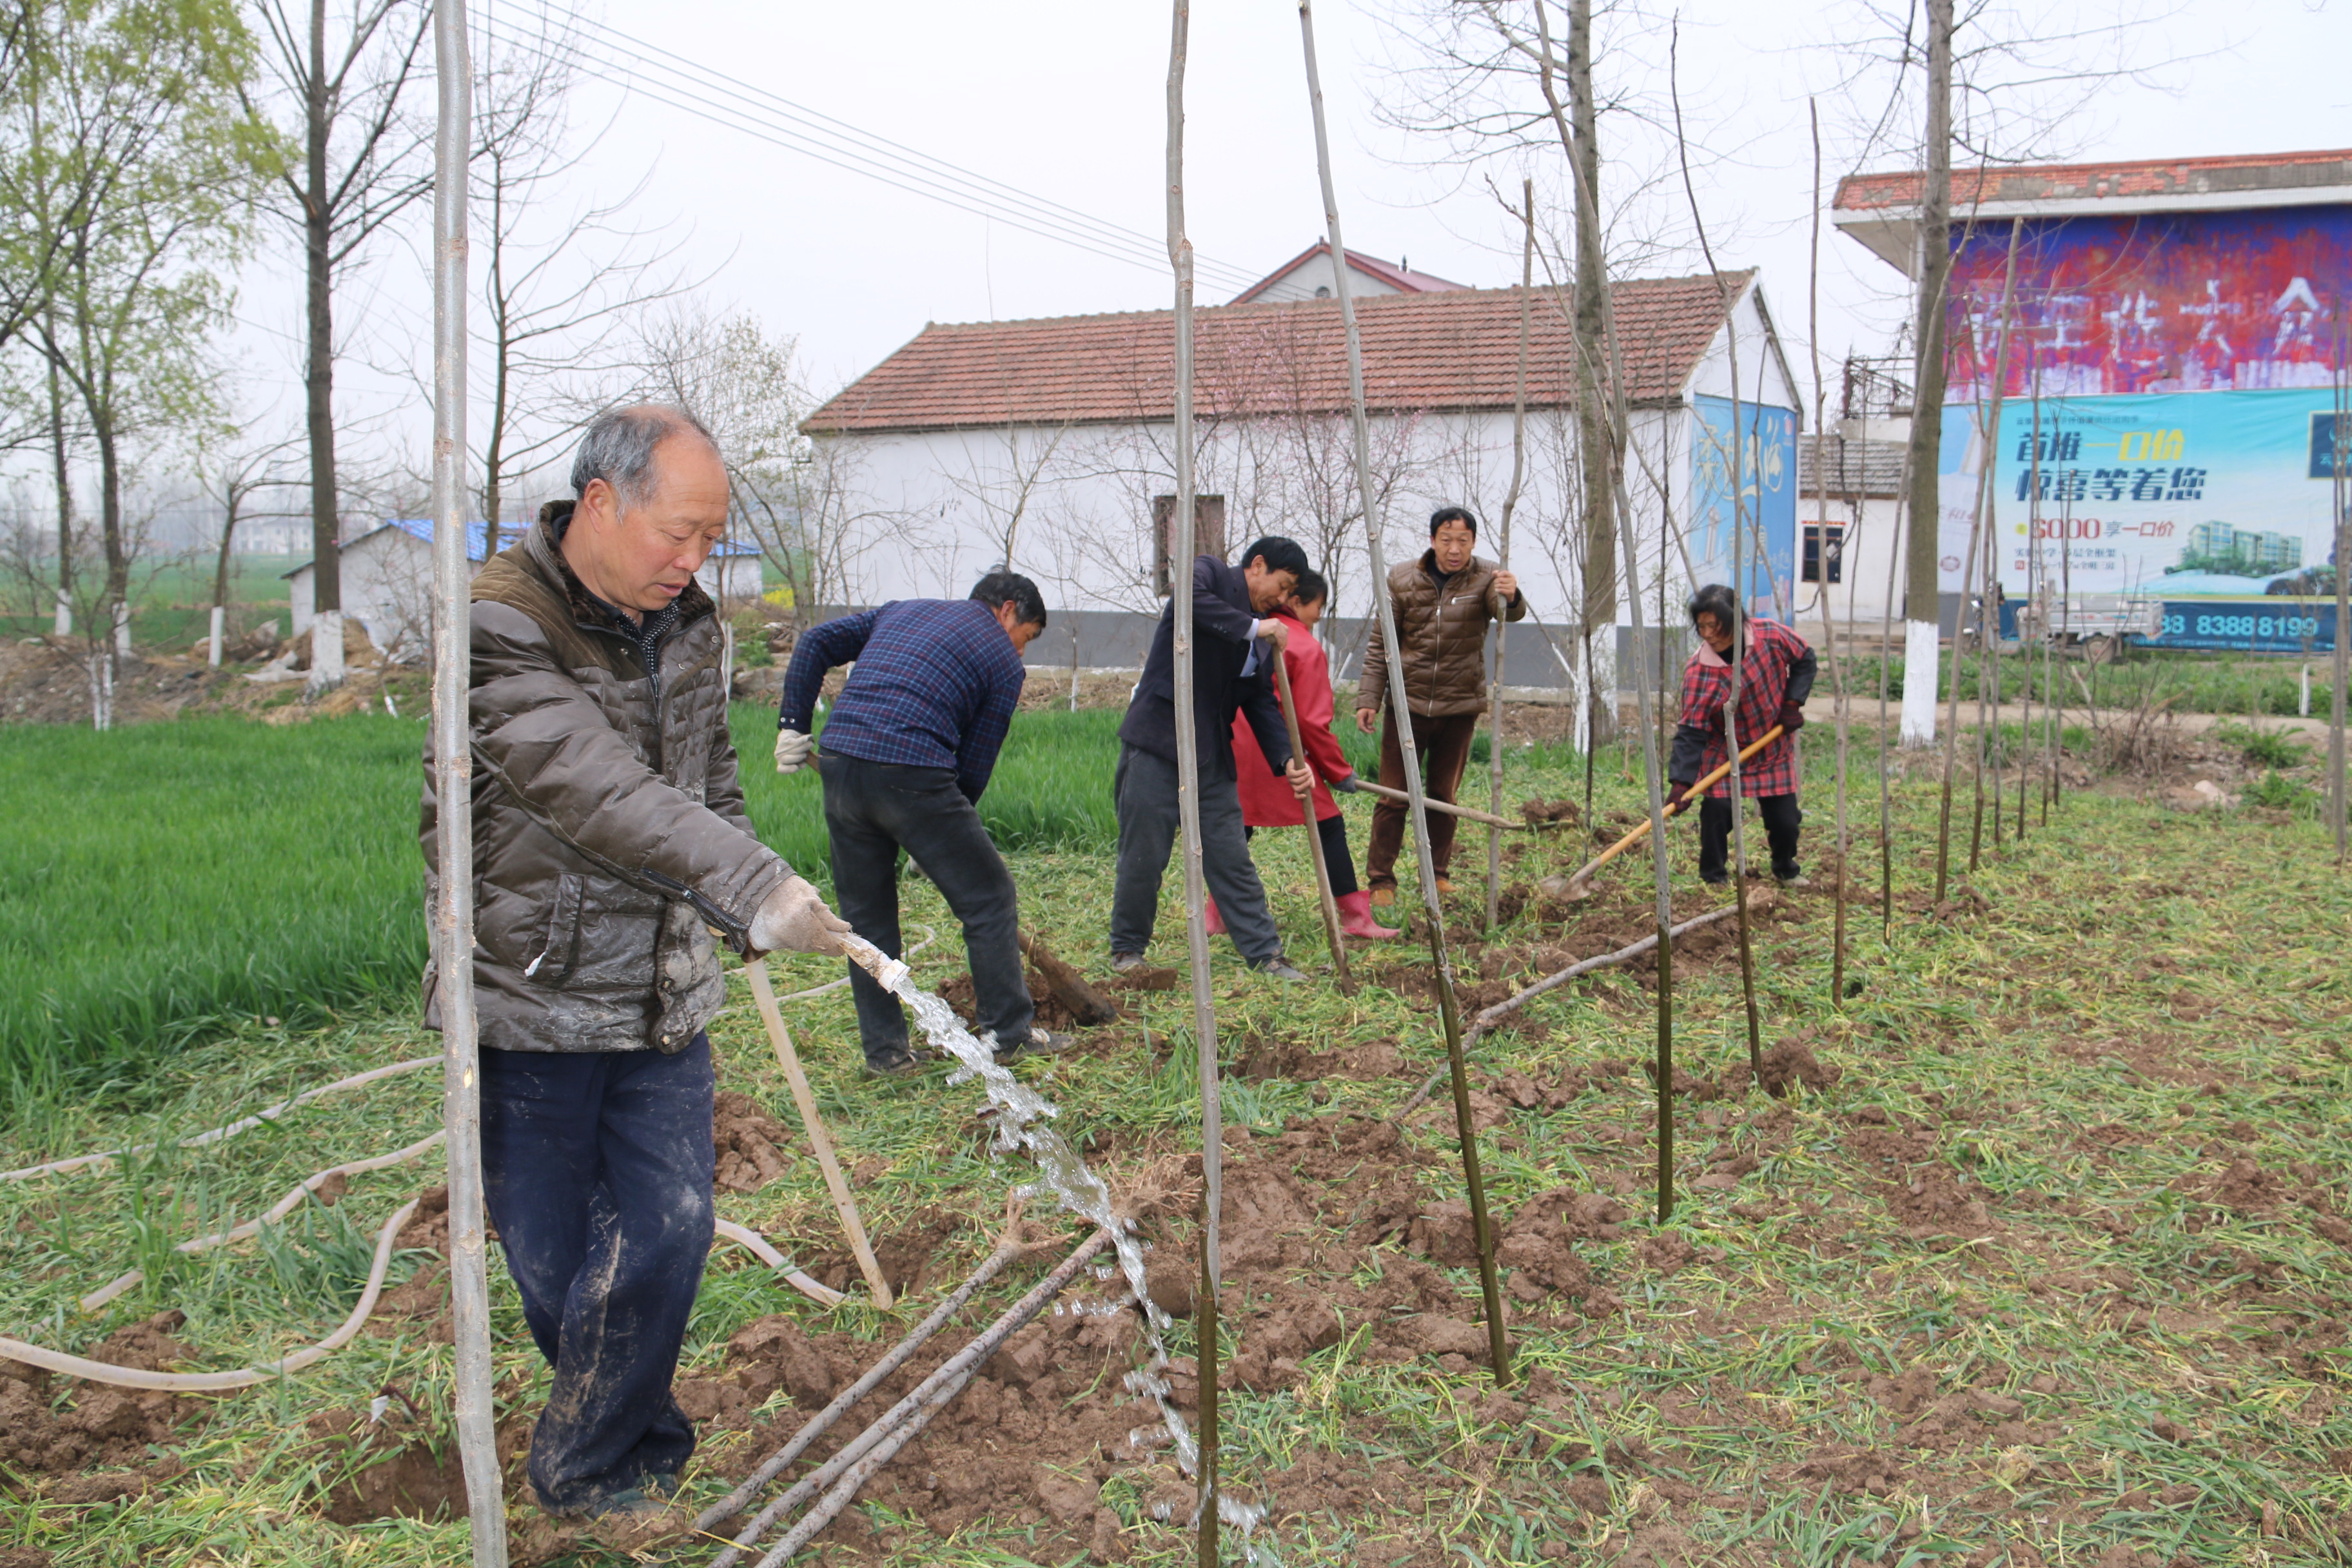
(1776, 675)
(609, 840)
(1441, 604)
(1231, 650)
(907, 750)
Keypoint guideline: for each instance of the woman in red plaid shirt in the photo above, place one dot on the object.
(1776, 675)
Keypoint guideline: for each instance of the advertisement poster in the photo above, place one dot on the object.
(2189, 497)
(1767, 500)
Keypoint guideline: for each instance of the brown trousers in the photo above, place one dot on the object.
(1445, 748)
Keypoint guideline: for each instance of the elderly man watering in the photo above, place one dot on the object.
(610, 841)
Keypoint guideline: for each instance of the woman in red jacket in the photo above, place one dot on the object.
(1266, 797)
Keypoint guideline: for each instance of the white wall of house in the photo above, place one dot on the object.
(1315, 273)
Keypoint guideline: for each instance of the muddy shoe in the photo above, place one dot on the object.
(900, 1063)
(1280, 968)
(1799, 880)
(1123, 961)
(1383, 895)
(1445, 887)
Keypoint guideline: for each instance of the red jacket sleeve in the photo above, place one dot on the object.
(1310, 683)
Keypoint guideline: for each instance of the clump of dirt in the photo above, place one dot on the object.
(1919, 1188)
(752, 1145)
(1051, 1013)
(2248, 1188)
(388, 1462)
(1787, 1066)
(425, 1294)
(1145, 978)
(1275, 1056)
(1562, 810)
(1855, 1471)
(101, 1427)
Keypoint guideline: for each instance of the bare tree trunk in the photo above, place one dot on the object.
(1594, 433)
(318, 370)
(1188, 799)
(62, 626)
(453, 911)
(1919, 610)
(1510, 505)
(220, 575)
(1417, 811)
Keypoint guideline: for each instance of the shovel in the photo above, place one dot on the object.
(1579, 886)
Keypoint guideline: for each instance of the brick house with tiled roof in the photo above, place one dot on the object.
(1043, 442)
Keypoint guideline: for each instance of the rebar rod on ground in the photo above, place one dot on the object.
(815, 1427)
(955, 1367)
(1401, 716)
(453, 788)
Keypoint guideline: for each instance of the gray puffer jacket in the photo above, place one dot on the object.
(609, 831)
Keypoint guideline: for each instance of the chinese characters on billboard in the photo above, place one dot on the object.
(2169, 404)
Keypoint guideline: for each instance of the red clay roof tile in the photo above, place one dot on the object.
(1430, 352)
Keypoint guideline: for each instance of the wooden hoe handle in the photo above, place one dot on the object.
(789, 1059)
(1696, 790)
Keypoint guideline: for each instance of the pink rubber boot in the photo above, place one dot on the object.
(1216, 921)
(1356, 918)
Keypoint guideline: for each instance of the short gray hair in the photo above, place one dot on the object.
(619, 448)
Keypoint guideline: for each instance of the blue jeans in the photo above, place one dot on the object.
(597, 1173)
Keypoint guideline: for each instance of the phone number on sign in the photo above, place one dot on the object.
(2241, 625)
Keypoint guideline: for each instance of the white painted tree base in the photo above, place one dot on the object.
(1922, 663)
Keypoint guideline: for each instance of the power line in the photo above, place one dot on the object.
(638, 67)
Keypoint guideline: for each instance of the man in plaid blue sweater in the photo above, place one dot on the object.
(908, 748)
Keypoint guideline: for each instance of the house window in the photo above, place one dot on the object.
(1814, 534)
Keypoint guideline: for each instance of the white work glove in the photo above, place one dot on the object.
(792, 748)
(795, 920)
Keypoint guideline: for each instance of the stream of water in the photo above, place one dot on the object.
(1025, 1121)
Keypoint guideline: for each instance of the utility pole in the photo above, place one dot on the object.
(1920, 652)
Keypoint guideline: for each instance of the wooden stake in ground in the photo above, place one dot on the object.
(1188, 803)
(1618, 422)
(1330, 905)
(1510, 504)
(1821, 555)
(2342, 559)
(764, 994)
(1400, 710)
(453, 793)
(1738, 588)
(1979, 525)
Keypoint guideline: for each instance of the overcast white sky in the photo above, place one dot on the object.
(1064, 99)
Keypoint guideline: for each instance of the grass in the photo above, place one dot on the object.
(162, 882)
(166, 882)
(2269, 686)
(2144, 998)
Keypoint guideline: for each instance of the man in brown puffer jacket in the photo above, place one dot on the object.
(1442, 602)
(609, 840)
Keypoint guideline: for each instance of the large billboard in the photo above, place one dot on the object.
(1767, 500)
(2170, 388)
